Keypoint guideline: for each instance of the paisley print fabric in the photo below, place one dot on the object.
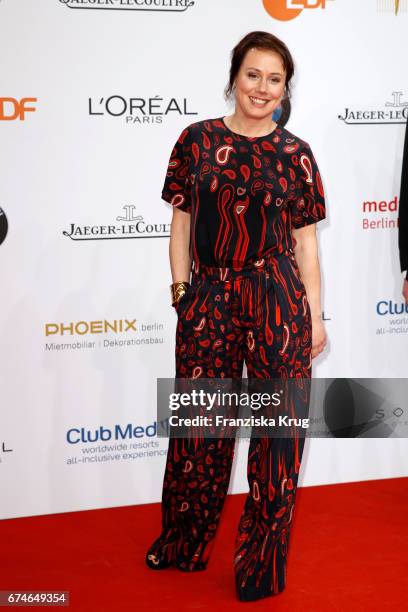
(259, 315)
(244, 194)
(246, 304)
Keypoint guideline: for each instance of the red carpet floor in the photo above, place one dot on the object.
(348, 552)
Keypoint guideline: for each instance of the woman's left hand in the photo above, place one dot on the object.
(319, 337)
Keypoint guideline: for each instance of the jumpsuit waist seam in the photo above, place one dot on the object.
(226, 273)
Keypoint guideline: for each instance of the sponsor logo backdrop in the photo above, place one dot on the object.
(92, 100)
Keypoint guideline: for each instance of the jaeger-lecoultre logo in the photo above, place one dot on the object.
(128, 225)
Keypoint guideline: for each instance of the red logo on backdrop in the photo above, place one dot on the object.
(11, 109)
(381, 214)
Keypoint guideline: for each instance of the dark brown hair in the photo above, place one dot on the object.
(259, 40)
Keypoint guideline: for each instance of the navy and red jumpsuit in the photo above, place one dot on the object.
(246, 303)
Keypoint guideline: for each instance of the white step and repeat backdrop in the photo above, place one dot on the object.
(93, 94)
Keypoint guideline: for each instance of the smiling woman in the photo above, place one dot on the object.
(246, 196)
(260, 77)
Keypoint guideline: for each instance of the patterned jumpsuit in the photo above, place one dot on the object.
(246, 303)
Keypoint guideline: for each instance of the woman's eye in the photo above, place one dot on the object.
(274, 79)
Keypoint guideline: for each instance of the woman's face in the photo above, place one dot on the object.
(260, 83)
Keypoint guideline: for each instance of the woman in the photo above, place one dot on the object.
(246, 195)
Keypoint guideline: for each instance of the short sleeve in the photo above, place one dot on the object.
(177, 188)
(309, 205)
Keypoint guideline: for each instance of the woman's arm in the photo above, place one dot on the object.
(307, 258)
(179, 246)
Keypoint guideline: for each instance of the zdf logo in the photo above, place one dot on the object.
(284, 10)
(11, 109)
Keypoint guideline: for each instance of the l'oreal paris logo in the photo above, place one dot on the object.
(394, 111)
(138, 110)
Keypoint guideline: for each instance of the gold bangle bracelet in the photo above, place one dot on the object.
(178, 290)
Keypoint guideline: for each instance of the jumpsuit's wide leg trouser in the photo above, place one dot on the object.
(260, 316)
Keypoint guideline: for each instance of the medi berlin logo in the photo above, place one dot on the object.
(174, 6)
(130, 226)
(12, 109)
(380, 214)
(285, 10)
(394, 111)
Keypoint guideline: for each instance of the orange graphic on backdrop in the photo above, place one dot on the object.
(284, 10)
(11, 109)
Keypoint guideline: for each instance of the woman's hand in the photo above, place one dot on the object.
(319, 337)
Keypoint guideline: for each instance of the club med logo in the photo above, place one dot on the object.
(137, 110)
(174, 6)
(285, 10)
(391, 308)
(130, 226)
(114, 443)
(394, 111)
(105, 434)
(3, 226)
(396, 314)
(12, 109)
(381, 212)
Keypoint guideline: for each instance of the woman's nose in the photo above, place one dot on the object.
(262, 87)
